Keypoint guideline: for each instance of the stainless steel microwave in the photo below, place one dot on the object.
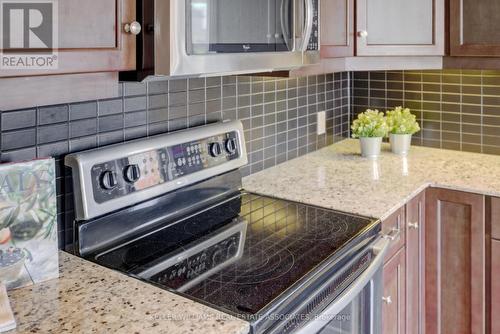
(214, 37)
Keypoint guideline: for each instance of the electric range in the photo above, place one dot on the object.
(170, 210)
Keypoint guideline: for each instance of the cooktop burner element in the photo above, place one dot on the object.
(283, 242)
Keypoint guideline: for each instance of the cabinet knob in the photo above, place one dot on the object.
(387, 300)
(413, 226)
(363, 33)
(133, 28)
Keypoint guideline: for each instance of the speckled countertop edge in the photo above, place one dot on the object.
(88, 298)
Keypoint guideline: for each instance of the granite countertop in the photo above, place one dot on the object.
(337, 177)
(88, 298)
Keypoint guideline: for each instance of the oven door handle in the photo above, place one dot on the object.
(316, 324)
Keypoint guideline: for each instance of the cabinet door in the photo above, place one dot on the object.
(400, 27)
(455, 262)
(91, 38)
(415, 259)
(394, 227)
(474, 28)
(393, 309)
(495, 217)
(495, 286)
(337, 24)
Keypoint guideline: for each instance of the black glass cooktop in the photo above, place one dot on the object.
(239, 255)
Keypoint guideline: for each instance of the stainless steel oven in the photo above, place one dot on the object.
(213, 37)
(359, 309)
(346, 299)
(170, 210)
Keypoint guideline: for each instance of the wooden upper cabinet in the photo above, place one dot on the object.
(415, 265)
(337, 28)
(91, 38)
(474, 28)
(400, 27)
(455, 262)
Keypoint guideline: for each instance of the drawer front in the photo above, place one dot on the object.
(495, 218)
(394, 227)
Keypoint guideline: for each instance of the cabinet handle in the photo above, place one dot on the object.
(395, 232)
(133, 28)
(363, 33)
(413, 226)
(387, 300)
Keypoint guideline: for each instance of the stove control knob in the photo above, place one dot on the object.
(231, 145)
(132, 173)
(108, 180)
(215, 150)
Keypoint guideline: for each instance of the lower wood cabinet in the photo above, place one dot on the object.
(403, 271)
(394, 297)
(415, 265)
(442, 271)
(495, 286)
(493, 225)
(454, 262)
(494, 217)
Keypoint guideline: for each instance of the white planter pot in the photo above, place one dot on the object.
(370, 146)
(400, 144)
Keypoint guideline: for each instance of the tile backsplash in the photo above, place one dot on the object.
(278, 114)
(457, 109)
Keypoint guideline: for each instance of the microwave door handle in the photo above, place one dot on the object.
(380, 249)
(285, 4)
(299, 18)
(308, 26)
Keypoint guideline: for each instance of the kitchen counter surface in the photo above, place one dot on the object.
(337, 177)
(88, 298)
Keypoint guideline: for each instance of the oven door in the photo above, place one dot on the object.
(358, 309)
(214, 37)
(361, 316)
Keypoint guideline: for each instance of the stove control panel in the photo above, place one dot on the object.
(120, 177)
(117, 176)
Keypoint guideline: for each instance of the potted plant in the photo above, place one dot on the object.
(402, 125)
(370, 127)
